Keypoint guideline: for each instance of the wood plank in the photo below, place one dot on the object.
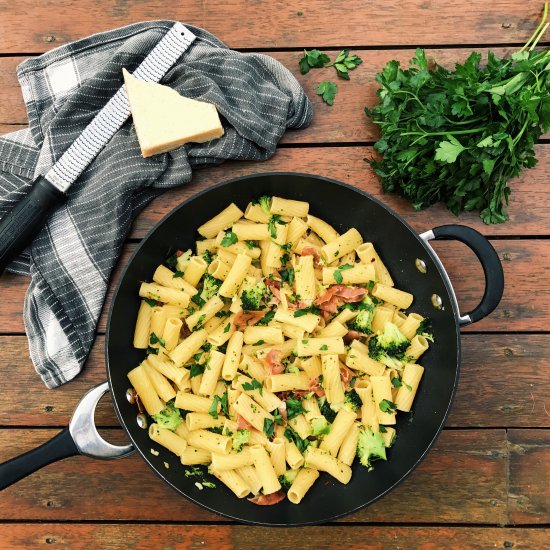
(529, 202)
(503, 382)
(512, 397)
(28, 27)
(463, 466)
(529, 492)
(345, 121)
(526, 266)
(225, 537)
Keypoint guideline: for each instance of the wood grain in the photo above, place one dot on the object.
(471, 463)
(529, 493)
(526, 267)
(28, 27)
(344, 122)
(503, 382)
(225, 537)
(529, 202)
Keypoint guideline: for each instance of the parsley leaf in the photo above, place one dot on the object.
(271, 225)
(387, 406)
(269, 427)
(294, 408)
(227, 327)
(177, 274)
(313, 59)
(254, 385)
(304, 311)
(327, 90)
(267, 318)
(292, 436)
(149, 302)
(344, 63)
(213, 410)
(229, 239)
(196, 370)
(154, 339)
(338, 276)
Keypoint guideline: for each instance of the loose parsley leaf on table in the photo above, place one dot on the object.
(345, 62)
(327, 90)
(313, 59)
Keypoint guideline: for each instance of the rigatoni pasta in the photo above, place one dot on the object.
(282, 349)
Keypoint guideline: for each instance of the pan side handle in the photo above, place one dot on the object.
(487, 256)
(80, 437)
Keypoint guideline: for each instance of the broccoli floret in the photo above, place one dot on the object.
(265, 203)
(207, 257)
(389, 347)
(252, 299)
(352, 401)
(169, 417)
(182, 261)
(240, 437)
(319, 426)
(287, 479)
(363, 322)
(326, 411)
(426, 329)
(370, 447)
(211, 285)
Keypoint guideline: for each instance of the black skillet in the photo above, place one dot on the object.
(414, 267)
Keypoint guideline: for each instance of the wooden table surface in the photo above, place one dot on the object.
(486, 482)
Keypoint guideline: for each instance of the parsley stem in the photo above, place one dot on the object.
(536, 36)
(517, 138)
(544, 29)
(448, 133)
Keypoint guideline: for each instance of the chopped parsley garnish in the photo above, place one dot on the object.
(154, 339)
(304, 311)
(269, 427)
(227, 327)
(387, 406)
(177, 274)
(213, 410)
(195, 370)
(324, 347)
(254, 385)
(149, 302)
(229, 239)
(294, 408)
(267, 318)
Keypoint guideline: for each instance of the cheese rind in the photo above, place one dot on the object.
(165, 120)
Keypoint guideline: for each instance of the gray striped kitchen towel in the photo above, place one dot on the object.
(72, 258)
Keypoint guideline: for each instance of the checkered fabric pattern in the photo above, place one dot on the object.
(71, 259)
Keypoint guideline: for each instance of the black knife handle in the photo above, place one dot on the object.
(19, 226)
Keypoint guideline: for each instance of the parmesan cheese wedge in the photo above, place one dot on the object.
(165, 120)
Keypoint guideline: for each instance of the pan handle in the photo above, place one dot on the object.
(490, 262)
(81, 437)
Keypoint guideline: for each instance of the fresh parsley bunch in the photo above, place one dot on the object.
(459, 136)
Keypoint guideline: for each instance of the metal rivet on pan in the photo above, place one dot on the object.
(142, 421)
(437, 302)
(421, 265)
(131, 395)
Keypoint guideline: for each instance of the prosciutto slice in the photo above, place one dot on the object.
(274, 362)
(310, 251)
(248, 319)
(316, 388)
(268, 500)
(337, 295)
